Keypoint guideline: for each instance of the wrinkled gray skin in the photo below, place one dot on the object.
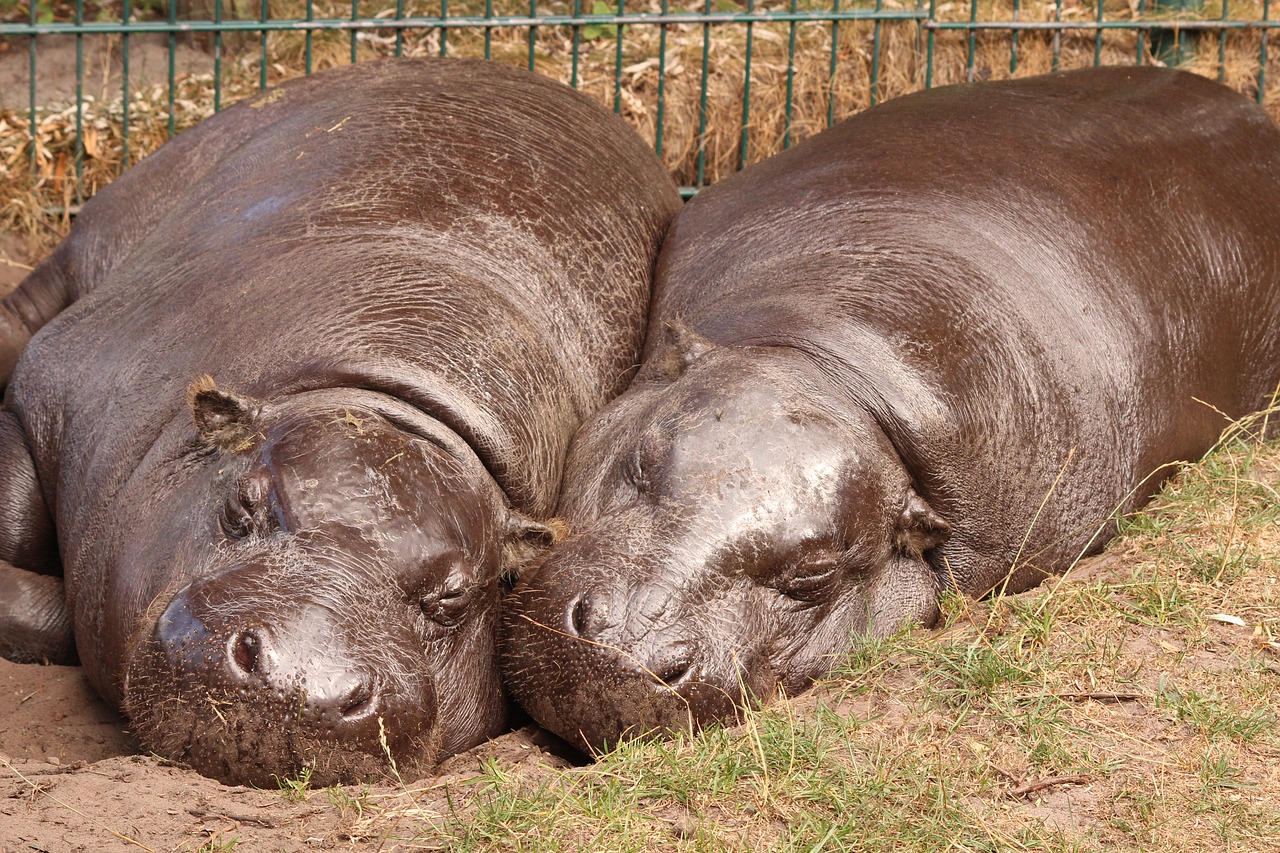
(409, 282)
(869, 361)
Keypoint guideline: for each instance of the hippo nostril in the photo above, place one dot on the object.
(246, 651)
(579, 614)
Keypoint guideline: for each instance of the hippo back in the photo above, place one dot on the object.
(1095, 248)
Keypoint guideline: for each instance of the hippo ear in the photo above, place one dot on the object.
(525, 539)
(919, 527)
(224, 419)
(680, 347)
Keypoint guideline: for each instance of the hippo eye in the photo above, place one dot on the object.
(636, 470)
(812, 578)
(240, 514)
(646, 461)
(446, 607)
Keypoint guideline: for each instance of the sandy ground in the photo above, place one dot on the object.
(72, 779)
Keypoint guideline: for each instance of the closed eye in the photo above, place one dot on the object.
(245, 511)
(645, 464)
(812, 578)
(446, 607)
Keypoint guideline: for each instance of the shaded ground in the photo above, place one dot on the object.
(100, 55)
(15, 262)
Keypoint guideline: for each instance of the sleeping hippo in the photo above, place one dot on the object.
(936, 347)
(297, 391)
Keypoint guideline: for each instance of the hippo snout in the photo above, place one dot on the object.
(260, 662)
(669, 663)
(269, 688)
(625, 667)
(345, 697)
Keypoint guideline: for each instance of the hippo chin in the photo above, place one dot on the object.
(938, 346)
(293, 393)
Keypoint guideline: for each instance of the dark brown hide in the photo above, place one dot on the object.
(409, 281)
(937, 346)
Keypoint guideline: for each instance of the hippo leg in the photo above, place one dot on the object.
(34, 622)
(40, 297)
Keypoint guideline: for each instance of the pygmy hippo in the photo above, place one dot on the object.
(297, 389)
(935, 347)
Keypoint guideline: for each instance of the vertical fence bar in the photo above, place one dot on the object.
(125, 13)
(31, 87)
(533, 31)
(217, 56)
(444, 31)
(355, 13)
(1262, 51)
(1057, 34)
(791, 76)
(1013, 40)
(972, 41)
(311, 16)
(173, 50)
(1142, 34)
(702, 99)
(875, 54)
(1097, 37)
(79, 161)
(928, 59)
(617, 61)
(1222, 47)
(577, 39)
(746, 92)
(662, 82)
(488, 29)
(831, 72)
(399, 30)
(263, 11)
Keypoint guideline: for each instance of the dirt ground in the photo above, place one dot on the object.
(71, 779)
(56, 68)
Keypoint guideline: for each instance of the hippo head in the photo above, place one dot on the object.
(337, 561)
(733, 524)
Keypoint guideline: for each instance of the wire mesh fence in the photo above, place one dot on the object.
(89, 86)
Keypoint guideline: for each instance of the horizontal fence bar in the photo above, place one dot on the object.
(1168, 24)
(473, 22)
(926, 16)
(691, 18)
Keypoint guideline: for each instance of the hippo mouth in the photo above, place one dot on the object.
(246, 740)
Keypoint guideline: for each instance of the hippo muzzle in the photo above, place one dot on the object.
(630, 656)
(251, 683)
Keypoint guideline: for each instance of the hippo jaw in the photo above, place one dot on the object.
(732, 531)
(339, 607)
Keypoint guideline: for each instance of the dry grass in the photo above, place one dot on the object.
(34, 201)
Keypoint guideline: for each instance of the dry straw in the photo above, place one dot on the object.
(37, 193)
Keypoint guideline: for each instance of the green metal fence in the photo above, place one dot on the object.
(87, 87)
